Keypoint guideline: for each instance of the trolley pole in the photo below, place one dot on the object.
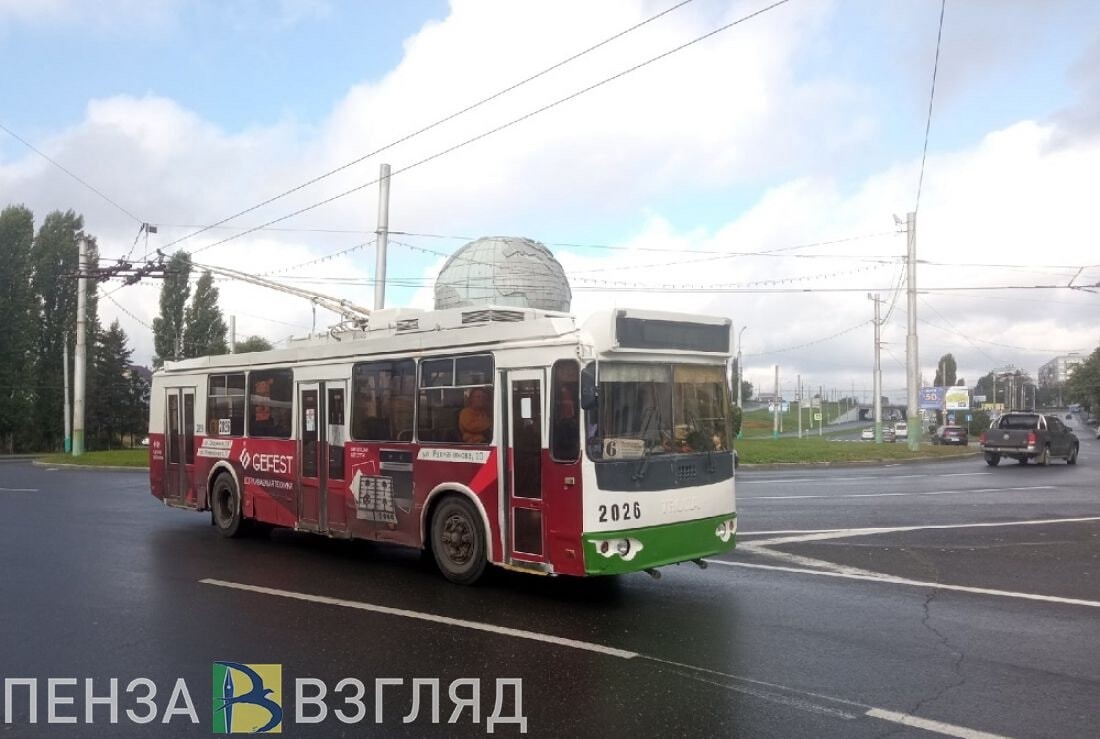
(383, 236)
(911, 357)
(80, 368)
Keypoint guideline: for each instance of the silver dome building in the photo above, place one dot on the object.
(503, 270)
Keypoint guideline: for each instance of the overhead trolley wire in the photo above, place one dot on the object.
(495, 130)
(437, 123)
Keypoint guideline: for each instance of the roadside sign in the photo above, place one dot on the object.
(817, 416)
(969, 417)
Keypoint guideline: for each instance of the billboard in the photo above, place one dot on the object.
(957, 399)
(931, 398)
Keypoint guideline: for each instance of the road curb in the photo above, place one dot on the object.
(854, 463)
(103, 467)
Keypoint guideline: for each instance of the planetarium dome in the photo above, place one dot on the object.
(503, 270)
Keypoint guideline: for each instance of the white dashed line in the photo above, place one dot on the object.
(792, 697)
(961, 491)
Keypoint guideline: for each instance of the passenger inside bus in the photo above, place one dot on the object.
(475, 422)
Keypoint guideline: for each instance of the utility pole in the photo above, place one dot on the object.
(232, 334)
(80, 369)
(68, 408)
(912, 359)
(876, 381)
(740, 374)
(383, 236)
(821, 410)
(800, 406)
(776, 406)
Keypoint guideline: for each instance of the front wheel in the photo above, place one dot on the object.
(1072, 458)
(226, 501)
(992, 459)
(458, 541)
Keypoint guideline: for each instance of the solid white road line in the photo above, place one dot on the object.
(890, 579)
(845, 533)
(930, 725)
(430, 617)
(18, 490)
(769, 695)
(896, 495)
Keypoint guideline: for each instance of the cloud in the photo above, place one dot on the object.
(734, 121)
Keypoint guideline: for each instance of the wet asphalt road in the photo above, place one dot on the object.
(846, 635)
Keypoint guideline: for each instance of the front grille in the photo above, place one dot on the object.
(483, 316)
(686, 472)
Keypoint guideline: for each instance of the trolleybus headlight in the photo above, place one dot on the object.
(623, 547)
(605, 545)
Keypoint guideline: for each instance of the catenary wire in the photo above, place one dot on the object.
(497, 129)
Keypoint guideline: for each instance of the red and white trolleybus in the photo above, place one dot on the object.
(502, 436)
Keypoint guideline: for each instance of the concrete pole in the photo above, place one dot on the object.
(876, 380)
(912, 358)
(68, 420)
(232, 334)
(383, 236)
(80, 368)
(821, 408)
(740, 374)
(776, 406)
(800, 406)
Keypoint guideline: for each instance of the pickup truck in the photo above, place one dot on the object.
(1027, 436)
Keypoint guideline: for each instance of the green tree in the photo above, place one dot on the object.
(54, 260)
(168, 327)
(946, 371)
(204, 330)
(254, 344)
(18, 317)
(109, 405)
(1083, 385)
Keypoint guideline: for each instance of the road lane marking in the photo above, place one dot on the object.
(893, 580)
(929, 725)
(18, 490)
(794, 697)
(846, 533)
(422, 616)
(961, 491)
(965, 474)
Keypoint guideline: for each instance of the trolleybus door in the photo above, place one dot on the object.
(523, 438)
(179, 453)
(336, 433)
(312, 468)
(322, 430)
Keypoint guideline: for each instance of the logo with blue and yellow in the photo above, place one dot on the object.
(248, 699)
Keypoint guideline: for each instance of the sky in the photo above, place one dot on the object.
(798, 132)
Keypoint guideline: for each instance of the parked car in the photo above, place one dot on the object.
(951, 435)
(1026, 436)
(901, 430)
(889, 434)
(867, 434)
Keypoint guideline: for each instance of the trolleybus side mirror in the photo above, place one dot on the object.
(590, 391)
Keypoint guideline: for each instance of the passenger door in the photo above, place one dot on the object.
(336, 433)
(179, 441)
(312, 466)
(523, 439)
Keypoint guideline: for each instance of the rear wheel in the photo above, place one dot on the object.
(1044, 458)
(226, 502)
(1072, 458)
(458, 541)
(992, 459)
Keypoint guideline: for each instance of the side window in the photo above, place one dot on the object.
(564, 412)
(455, 402)
(270, 393)
(383, 394)
(225, 405)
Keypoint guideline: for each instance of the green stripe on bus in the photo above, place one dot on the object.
(660, 545)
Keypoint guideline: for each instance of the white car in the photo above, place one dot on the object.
(867, 434)
(901, 430)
